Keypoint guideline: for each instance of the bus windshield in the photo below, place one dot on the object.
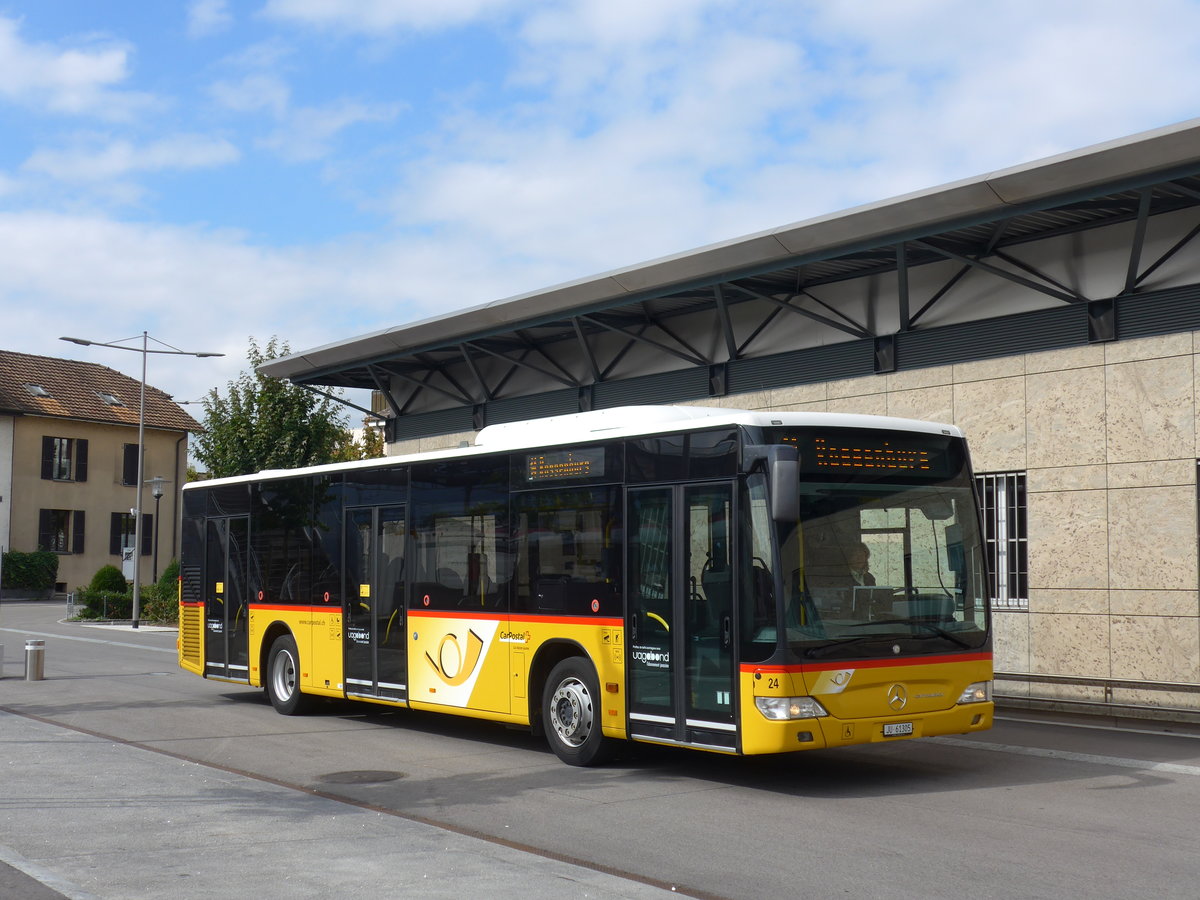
(884, 563)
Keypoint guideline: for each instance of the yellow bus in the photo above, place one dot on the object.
(738, 582)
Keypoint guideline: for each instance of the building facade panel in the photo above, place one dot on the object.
(1150, 409)
(1074, 643)
(1068, 541)
(992, 414)
(1065, 417)
(1153, 538)
(99, 497)
(1156, 648)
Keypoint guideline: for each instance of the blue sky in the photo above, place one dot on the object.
(318, 169)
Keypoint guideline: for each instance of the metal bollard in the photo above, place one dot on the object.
(35, 660)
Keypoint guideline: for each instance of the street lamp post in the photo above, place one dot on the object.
(137, 511)
(156, 490)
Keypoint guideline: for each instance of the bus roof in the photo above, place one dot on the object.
(604, 424)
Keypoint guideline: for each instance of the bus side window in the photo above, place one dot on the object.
(564, 551)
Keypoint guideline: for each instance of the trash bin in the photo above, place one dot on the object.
(35, 660)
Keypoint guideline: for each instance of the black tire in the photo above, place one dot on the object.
(283, 678)
(571, 714)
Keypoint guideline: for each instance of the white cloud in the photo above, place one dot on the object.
(119, 158)
(625, 131)
(372, 17)
(627, 23)
(651, 128)
(208, 17)
(76, 80)
(307, 133)
(260, 91)
(197, 289)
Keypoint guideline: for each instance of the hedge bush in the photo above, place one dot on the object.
(104, 604)
(36, 571)
(159, 602)
(109, 578)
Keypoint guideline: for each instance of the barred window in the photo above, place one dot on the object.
(1006, 542)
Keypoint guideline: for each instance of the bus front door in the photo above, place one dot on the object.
(374, 614)
(226, 616)
(681, 622)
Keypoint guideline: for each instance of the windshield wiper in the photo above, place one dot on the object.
(934, 629)
(837, 644)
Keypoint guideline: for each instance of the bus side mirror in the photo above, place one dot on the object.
(783, 469)
(782, 463)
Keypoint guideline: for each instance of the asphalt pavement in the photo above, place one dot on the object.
(85, 817)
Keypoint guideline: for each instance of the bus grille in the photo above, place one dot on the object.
(191, 632)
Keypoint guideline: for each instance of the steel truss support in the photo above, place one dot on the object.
(691, 356)
(587, 350)
(554, 376)
(853, 329)
(1064, 296)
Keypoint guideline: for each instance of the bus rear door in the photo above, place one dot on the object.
(226, 615)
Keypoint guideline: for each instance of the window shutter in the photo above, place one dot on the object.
(48, 458)
(147, 534)
(45, 539)
(114, 535)
(81, 453)
(77, 518)
(129, 466)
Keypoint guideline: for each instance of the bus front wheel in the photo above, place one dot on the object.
(283, 677)
(571, 710)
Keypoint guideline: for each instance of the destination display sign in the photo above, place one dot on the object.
(874, 453)
(562, 465)
(832, 453)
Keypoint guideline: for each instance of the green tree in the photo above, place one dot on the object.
(264, 423)
(369, 446)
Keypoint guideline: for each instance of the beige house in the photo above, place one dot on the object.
(1051, 310)
(68, 465)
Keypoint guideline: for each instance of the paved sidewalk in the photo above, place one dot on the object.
(86, 818)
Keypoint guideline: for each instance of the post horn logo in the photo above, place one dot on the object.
(897, 697)
(453, 665)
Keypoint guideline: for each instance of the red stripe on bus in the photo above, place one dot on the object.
(287, 607)
(835, 665)
(614, 622)
(531, 618)
(568, 620)
(455, 614)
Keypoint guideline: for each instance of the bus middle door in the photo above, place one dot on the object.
(374, 616)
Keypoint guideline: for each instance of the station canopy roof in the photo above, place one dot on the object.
(461, 358)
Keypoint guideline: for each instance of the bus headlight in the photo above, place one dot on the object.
(979, 692)
(782, 708)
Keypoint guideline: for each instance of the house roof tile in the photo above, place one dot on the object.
(73, 390)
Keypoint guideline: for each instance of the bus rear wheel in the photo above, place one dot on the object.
(571, 712)
(283, 677)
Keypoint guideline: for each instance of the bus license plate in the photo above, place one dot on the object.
(897, 729)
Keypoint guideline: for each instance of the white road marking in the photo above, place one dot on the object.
(1121, 762)
(67, 637)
